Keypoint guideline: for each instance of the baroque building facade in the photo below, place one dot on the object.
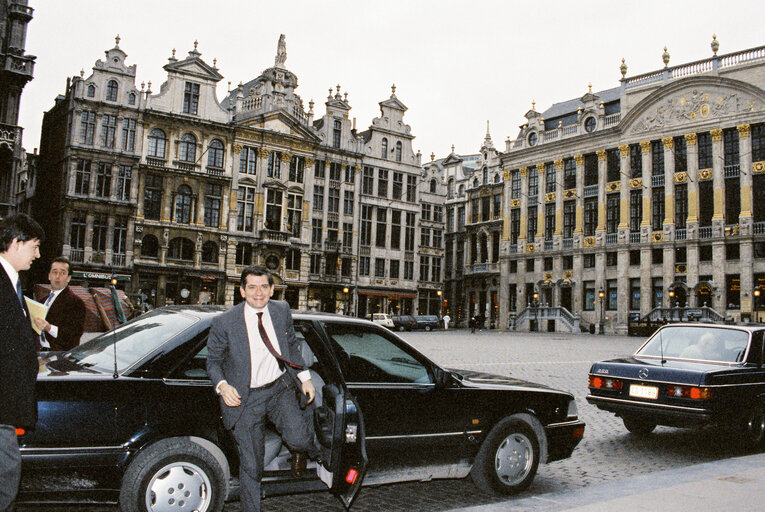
(175, 192)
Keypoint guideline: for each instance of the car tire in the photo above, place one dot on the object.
(427, 328)
(179, 469)
(754, 427)
(637, 426)
(508, 459)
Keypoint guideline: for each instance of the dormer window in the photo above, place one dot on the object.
(111, 90)
(91, 91)
(338, 130)
(191, 98)
(384, 152)
(131, 98)
(398, 151)
(433, 185)
(589, 124)
(533, 138)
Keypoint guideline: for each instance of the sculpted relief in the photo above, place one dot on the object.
(695, 105)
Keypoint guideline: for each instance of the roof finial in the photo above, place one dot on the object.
(281, 52)
(82, 73)
(196, 43)
(215, 63)
(452, 148)
(623, 68)
(715, 44)
(345, 96)
(589, 87)
(665, 57)
(533, 105)
(432, 156)
(393, 89)
(117, 41)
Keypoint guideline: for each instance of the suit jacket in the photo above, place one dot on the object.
(228, 351)
(18, 359)
(68, 314)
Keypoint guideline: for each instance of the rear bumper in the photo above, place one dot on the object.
(562, 438)
(661, 414)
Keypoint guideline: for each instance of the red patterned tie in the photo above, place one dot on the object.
(270, 347)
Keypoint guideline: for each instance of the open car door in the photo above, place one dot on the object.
(340, 431)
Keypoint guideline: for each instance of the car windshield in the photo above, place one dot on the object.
(134, 340)
(697, 343)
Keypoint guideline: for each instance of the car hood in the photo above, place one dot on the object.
(650, 369)
(475, 379)
(54, 365)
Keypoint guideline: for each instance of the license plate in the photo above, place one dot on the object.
(638, 391)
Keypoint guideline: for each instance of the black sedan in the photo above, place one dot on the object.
(136, 403)
(688, 375)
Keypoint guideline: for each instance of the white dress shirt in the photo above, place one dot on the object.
(12, 274)
(53, 328)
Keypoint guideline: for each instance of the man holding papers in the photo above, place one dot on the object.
(62, 326)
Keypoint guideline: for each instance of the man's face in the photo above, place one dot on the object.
(257, 291)
(21, 254)
(59, 275)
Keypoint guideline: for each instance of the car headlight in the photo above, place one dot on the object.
(572, 410)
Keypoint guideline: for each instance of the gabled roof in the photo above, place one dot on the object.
(193, 65)
(394, 103)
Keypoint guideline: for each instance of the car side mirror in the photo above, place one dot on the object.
(442, 377)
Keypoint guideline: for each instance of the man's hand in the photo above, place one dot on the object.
(42, 324)
(309, 390)
(230, 395)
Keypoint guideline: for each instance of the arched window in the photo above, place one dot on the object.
(188, 150)
(149, 246)
(183, 201)
(215, 154)
(475, 183)
(131, 98)
(398, 151)
(450, 188)
(111, 90)
(336, 133)
(485, 175)
(384, 152)
(210, 252)
(91, 91)
(157, 143)
(433, 185)
(496, 178)
(181, 249)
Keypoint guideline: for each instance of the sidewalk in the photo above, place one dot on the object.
(731, 484)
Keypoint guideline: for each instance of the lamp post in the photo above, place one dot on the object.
(347, 304)
(756, 294)
(602, 296)
(440, 303)
(536, 310)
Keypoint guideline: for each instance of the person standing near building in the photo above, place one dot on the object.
(250, 351)
(447, 319)
(20, 238)
(62, 326)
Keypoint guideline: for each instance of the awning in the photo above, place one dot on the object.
(390, 294)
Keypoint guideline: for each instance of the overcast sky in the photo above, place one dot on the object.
(456, 64)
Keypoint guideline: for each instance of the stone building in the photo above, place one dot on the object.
(17, 69)
(639, 198)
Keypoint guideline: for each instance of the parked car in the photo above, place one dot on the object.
(137, 403)
(404, 322)
(383, 319)
(688, 375)
(427, 322)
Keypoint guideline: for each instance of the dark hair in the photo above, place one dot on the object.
(256, 270)
(64, 260)
(19, 227)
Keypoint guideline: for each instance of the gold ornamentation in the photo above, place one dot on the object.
(758, 167)
(601, 155)
(541, 168)
(559, 163)
(717, 134)
(743, 130)
(530, 248)
(613, 186)
(524, 171)
(569, 194)
(645, 146)
(658, 236)
(548, 276)
(704, 111)
(506, 174)
(237, 148)
(624, 149)
(681, 177)
(705, 174)
(309, 163)
(579, 159)
(568, 274)
(589, 241)
(668, 142)
(550, 197)
(636, 182)
(515, 203)
(690, 139)
(681, 269)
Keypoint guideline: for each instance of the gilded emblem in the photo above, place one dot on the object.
(658, 236)
(636, 182)
(530, 248)
(681, 177)
(758, 167)
(589, 241)
(705, 174)
(515, 203)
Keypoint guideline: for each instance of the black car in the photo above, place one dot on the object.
(137, 403)
(688, 375)
(427, 322)
(403, 322)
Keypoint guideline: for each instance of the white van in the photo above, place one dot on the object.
(383, 319)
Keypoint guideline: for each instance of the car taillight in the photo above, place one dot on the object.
(351, 476)
(20, 431)
(605, 383)
(692, 392)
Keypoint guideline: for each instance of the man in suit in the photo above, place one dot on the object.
(62, 326)
(251, 351)
(20, 238)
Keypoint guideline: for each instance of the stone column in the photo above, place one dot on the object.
(646, 281)
(579, 229)
(541, 184)
(601, 227)
(718, 182)
(559, 200)
(669, 188)
(167, 200)
(198, 204)
(745, 179)
(692, 154)
(224, 207)
(524, 211)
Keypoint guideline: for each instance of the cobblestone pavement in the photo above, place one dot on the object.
(607, 452)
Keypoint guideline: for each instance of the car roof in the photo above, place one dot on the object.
(746, 327)
(213, 310)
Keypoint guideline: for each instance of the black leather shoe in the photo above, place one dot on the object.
(299, 460)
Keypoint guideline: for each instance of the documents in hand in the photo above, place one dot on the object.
(36, 310)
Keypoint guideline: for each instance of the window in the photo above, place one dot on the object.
(532, 223)
(364, 265)
(657, 292)
(215, 154)
(100, 227)
(108, 131)
(590, 169)
(588, 295)
(425, 211)
(243, 254)
(588, 260)
(732, 252)
(569, 218)
(152, 197)
(706, 197)
(87, 127)
(382, 222)
(590, 215)
(395, 229)
(612, 259)
(103, 180)
(248, 160)
(437, 238)
(589, 124)
(450, 189)
(635, 258)
(533, 182)
(657, 158)
(347, 237)
(515, 185)
(612, 299)
(394, 265)
(366, 225)
(315, 267)
(549, 221)
(657, 256)
(569, 173)
(180, 249)
(131, 98)
(409, 232)
(119, 238)
(332, 264)
(348, 202)
(292, 259)
(124, 180)
(190, 98)
(297, 167)
(733, 291)
(245, 204)
(367, 180)
(333, 200)
(384, 148)
(636, 161)
(730, 147)
(157, 143)
(188, 148)
(213, 198)
(424, 268)
(435, 269)
(636, 210)
(681, 154)
(681, 205)
(332, 226)
(398, 151)
(758, 142)
(82, 177)
(612, 213)
(379, 267)
(183, 202)
(318, 168)
(128, 135)
(657, 208)
(77, 229)
(336, 133)
(294, 213)
(550, 176)
(335, 171)
(273, 209)
(704, 142)
(150, 246)
(318, 197)
(111, 90)
(274, 169)
(382, 183)
(424, 237)
(210, 252)
(349, 171)
(316, 231)
(411, 188)
(613, 165)
(91, 91)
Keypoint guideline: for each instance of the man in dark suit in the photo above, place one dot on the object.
(252, 352)
(62, 326)
(20, 238)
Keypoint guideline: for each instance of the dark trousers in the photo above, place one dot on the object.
(10, 466)
(279, 404)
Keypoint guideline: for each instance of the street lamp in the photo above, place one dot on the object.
(756, 294)
(347, 304)
(536, 311)
(602, 296)
(439, 293)
(671, 296)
